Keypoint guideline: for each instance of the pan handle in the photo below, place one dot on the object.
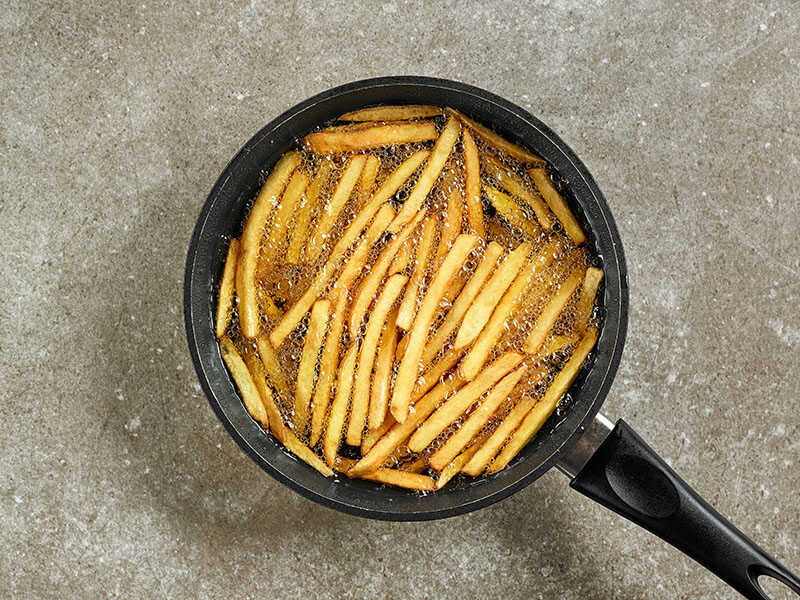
(616, 468)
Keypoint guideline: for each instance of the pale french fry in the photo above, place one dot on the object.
(308, 208)
(441, 152)
(515, 185)
(250, 243)
(304, 453)
(458, 404)
(494, 139)
(226, 289)
(549, 315)
(382, 378)
(402, 258)
(557, 205)
(368, 176)
(396, 477)
(488, 449)
(366, 291)
(557, 343)
(512, 212)
(477, 419)
(328, 362)
(451, 226)
(361, 384)
(272, 367)
(287, 207)
(328, 216)
(591, 283)
(371, 436)
(400, 431)
(244, 381)
(315, 336)
(472, 184)
(408, 306)
(464, 300)
(534, 420)
(341, 401)
(484, 304)
(410, 364)
(353, 140)
(276, 424)
(392, 113)
(455, 465)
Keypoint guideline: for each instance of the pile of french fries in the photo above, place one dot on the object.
(410, 298)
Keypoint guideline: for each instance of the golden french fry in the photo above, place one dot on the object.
(400, 478)
(557, 205)
(477, 419)
(591, 283)
(418, 465)
(441, 152)
(392, 113)
(400, 431)
(402, 258)
(276, 234)
(382, 378)
(534, 420)
(368, 176)
(341, 401)
(464, 300)
(276, 424)
(315, 336)
(328, 216)
(361, 385)
(431, 377)
(306, 211)
(304, 453)
(353, 140)
(496, 140)
(364, 295)
(458, 404)
(250, 243)
(484, 304)
(226, 289)
(472, 183)
(489, 448)
(272, 367)
(451, 226)
(408, 306)
(244, 381)
(515, 185)
(557, 343)
(328, 361)
(455, 466)
(512, 212)
(399, 176)
(410, 364)
(371, 436)
(549, 315)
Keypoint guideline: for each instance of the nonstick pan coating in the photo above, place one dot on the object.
(221, 217)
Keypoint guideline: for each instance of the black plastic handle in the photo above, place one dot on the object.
(627, 476)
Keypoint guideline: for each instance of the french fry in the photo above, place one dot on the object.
(477, 419)
(276, 424)
(306, 211)
(328, 362)
(455, 465)
(368, 176)
(325, 142)
(250, 243)
(315, 336)
(272, 367)
(402, 258)
(451, 226)
(484, 304)
(472, 184)
(371, 436)
(549, 315)
(244, 381)
(287, 207)
(304, 453)
(557, 205)
(489, 448)
(361, 385)
(494, 139)
(464, 300)
(512, 212)
(558, 342)
(399, 176)
(408, 306)
(226, 289)
(591, 283)
(534, 420)
(410, 364)
(341, 401)
(382, 378)
(400, 431)
(441, 152)
(268, 306)
(431, 377)
(458, 404)
(515, 185)
(328, 216)
(392, 113)
(366, 291)
(396, 477)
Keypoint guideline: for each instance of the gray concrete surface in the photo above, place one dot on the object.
(116, 479)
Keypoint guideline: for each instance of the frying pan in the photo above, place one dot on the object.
(608, 462)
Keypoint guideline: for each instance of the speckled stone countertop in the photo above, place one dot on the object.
(116, 480)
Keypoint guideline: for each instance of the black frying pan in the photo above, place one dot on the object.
(608, 463)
